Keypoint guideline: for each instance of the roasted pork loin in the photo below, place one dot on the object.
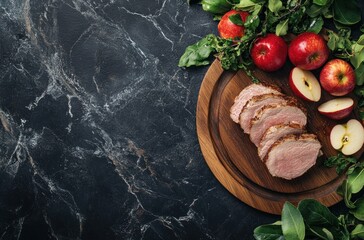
(246, 94)
(274, 133)
(292, 155)
(276, 124)
(255, 104)
(274, 114)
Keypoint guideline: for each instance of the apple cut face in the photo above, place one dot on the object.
(348, 138)
(337, 108)
(305, 85)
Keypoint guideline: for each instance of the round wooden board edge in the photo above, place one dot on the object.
(216, 166)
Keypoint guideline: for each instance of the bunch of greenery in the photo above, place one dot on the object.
(312, 220)
(282, 17)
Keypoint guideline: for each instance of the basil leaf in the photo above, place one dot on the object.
(268, 232)
(346, 12)
(236, 19)
(358, 211)
(198, 53)
(316, 214)
(356, 180)
(322, 233)
(320, 2)
(293, 226)
(361, 114)
(275, 5)
(248, 5)
(358, 55)
(282, 28)
(315, 10)
(316, 25)
(345, 192)
(359, 74)
(362, 28)
(216, 6)
(358, 231)
(360, 41)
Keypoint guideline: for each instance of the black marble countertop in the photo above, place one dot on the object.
(98, 135)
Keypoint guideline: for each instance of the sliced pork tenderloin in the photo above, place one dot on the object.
(292, 155)
(255, 104)
(274, 133)
(274, 114)
(246, 94)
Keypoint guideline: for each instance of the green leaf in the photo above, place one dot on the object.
(361, 115)
(198, 53)
(316, 214)
(360, 40)
(275, 5)
(316, 25)
(268, 232)
(359, 74)
(320, 2)
(251, 24)
(216, 6)
(345, 192)
(346, 12)
(340, 161)
(236, 19)
(315, 10)
(362, 28)
(282, 28)
(248, 5)
(356, 180)
(293, 226)
(358, 231)
(322, 233)
(358, 211)
(358, 55)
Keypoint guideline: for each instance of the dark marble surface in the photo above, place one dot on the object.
(98, 136)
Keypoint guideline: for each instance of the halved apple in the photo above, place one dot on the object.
(348, 138)
(305, 85)
(337, 108)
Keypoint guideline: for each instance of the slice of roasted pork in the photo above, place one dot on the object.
(247, 93)
(255, 104)
(292, 155)
(274, 133)
(274, 114)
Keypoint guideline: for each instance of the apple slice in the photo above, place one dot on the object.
(348, 138)
(337, 108)
(305, 85)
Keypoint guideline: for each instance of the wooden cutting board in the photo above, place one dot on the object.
(233, 158)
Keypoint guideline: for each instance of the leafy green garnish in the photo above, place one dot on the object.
(346, 12)
(293, 227)
(236, 19)
(314, 220)
(340, 161)
(269, 232)
(198, 53)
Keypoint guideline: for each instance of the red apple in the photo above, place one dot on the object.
(337, 77)
(304, 84)
(269, 53)
(337, 108)
(227, 29)
(308, 51)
